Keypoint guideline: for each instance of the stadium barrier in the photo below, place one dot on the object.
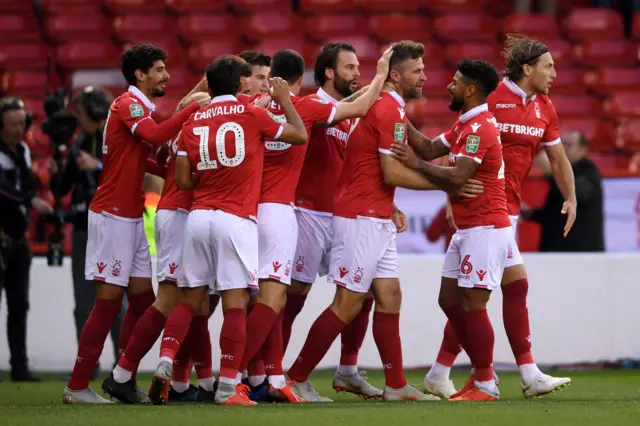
(583, 308)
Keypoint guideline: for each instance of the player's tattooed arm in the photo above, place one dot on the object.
(428, 149)
(563, 175)
(395, 173)
(183, 177)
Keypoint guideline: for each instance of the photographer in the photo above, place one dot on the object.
(81, 175)
(17, 196)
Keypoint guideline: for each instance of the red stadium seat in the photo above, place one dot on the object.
(635, 26)
(454, 6)
(437, 81)
(166, 42)
(594, 24)
(199, 26)
(632, 139)
(24, 83)
(568, 81)
(608, 79)
(272, 23)
(433, 55)
(201, 54)
(533, 25)
(324, 6)
(391, 27)
(119, 7)
(18, 27)
(181, 80)
(599, 133)
(283, 6)
(35, 106)
(576, 105)
(165, 107)
(436, 128)
(138, 25)
(271, 45)
(87, 54)
(430, 109)
(7, 6)
(608, 160)
(323, 26)
(623, 104)
(616, 53)
(23, 55)
(77, 26)
(465, 27)
(389, 5)
(198, 6)
(367, 49)
(56, 6)
(561, 50)
(490, 52)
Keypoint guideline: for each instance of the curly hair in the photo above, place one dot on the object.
(482, 73)
(140, 57)
(519, 51)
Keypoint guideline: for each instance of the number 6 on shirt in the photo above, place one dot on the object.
(206, 163)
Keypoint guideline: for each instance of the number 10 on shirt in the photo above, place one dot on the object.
(206, 163)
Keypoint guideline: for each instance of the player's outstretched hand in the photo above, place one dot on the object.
(203, 99)
(471, 189)
(383, 63)
(279, 90)
(569, 208)
(262, 102)
(399, 220)
(405, 155)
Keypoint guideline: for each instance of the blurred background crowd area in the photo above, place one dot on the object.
(595, 45)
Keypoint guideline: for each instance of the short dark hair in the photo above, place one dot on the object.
(140, 57)
(288, 65)
(328, 58)
(518, 51)
(403, 51)
(481, 73)
(223, 75)
(256, 58)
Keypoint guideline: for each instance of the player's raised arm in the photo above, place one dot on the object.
(428, 149)
(293, 131)
(363, 103)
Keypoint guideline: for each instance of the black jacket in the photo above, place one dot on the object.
(587, 233)
(17, 189)
(84, 183)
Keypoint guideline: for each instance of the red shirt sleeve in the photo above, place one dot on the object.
(270, 128)
(552, 132)
(475, 144)
(449, 137)
(314, 110)
(182, 150)
(132, 112)
(392, 128)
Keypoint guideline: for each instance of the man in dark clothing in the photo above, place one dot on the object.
(80, 175)
(17, 196)
(588, 230)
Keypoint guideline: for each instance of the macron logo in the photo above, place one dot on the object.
(505, 106)
(401, 111)
(475, 127)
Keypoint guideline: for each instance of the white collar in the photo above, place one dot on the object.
(473, 112)
(327, 97)
(517, 90)
(397, 97)
(223, 98)
(138, 94)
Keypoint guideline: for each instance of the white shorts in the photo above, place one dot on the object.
(169, 231)
(277, 240)
(514, 257)
(476, 257)
(220, 251)
(117, 249)
(362, 249)
(315, 231)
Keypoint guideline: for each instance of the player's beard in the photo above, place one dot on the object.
(343, 86)
(456, 104)
(158, 93)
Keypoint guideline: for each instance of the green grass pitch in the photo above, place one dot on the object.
(603, 398)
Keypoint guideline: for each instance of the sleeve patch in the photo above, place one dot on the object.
(277, 118)
(136, 110)
(399, 132)
(473, 142)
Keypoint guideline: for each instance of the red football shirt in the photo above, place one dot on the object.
(124, 156)
(282, 161)
(225, 146)
(476, 135)
(322, 165)
(523, 124)
(173, 198)
(363, 191)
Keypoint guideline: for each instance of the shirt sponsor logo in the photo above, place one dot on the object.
(519, 129)
(338, 134)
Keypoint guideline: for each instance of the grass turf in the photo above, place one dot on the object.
(594, 398)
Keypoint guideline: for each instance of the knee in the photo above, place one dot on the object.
(298, 288)
(389, 299)
(476, 299)
(235, 299)
(272, 294)
(168, 297)
(347, 304)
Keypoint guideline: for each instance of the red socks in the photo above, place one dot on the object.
(201, 347)
(293, 307)
(353, 335)
(233, 337)
(272, 349)
(322, 334)
(145, 334)
(454, 332)
(516, 320)
(138, 304)
(479, 343)
(92, 339)
(182, 364)
(386, 333)
(259, 324)
(176, 330)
